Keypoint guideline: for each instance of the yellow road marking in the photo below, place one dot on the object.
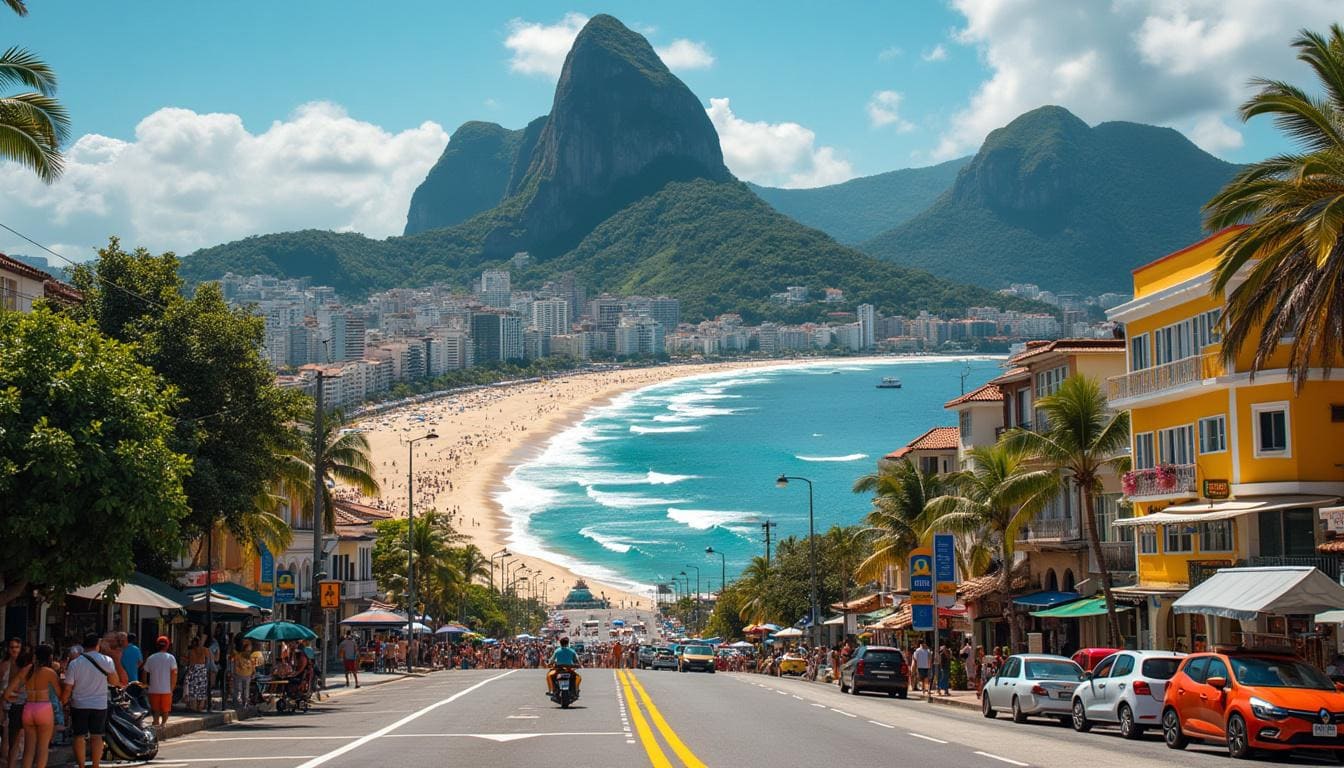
(646, 737)
(687, 756)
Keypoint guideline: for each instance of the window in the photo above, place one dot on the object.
(9, 293)
(1336, 412)
(1179, 538)
(1177, 445)
(928, 465)
(1185, 339)
(1198, 669)
(1217, 668)
(964, 419)
(1205, 328)
(1271, 430)
(1216, 536)
(1047, 382)
(1124, 665)
(1288, 533)
(1138, 352)
(1023, 407)
(1213, 434)
(1104, 667)
(1108, 511)
(1143, 451)
(1148, 541)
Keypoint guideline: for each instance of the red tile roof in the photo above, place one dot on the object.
(936, 439)
(51, 287)
(1013, 374)
(362, 512)
(1070, 345)
(990, 393)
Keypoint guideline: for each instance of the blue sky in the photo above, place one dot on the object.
(178, 103)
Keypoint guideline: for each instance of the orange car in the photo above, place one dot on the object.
(1253, 700)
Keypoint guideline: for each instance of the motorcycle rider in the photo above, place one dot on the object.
(563, 656)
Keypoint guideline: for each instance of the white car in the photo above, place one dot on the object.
(1125, 688)
(1033, 684)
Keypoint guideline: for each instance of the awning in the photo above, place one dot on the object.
(139, 589)
(1243, 593)
(1092, 606)
(834, 620)
(1330, 617)
(235, 592)
(1046, 599)
(1205, 512)
(222, 603)
(881, 613)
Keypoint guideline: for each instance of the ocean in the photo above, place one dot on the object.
(634, 492)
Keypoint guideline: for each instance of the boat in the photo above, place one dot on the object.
(889, 382)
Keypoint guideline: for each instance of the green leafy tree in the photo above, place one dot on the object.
(1292, 251)
(1083, 440)
(33, 123)
(994, 500)
(87, 464)
(898, 522)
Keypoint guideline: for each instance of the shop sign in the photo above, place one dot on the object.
(1217, 489)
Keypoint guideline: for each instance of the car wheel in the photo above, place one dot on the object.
(1018, 715)
(843, 688)
(1080, 722)
(1238, 740)
(854, 689)
(891, 694)
(902, 693)
(986, 709)
(1171, 730)
(1128, 728)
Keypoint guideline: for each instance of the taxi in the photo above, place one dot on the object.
(694, 656)
(1253, 700)
(792, 664)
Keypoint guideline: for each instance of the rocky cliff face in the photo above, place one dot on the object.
(472, 175)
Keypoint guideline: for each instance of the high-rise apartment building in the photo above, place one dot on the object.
(551, 316)
(868, 326)
(495, 288)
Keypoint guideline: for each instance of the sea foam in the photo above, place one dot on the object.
(847, 457)
(704, 519)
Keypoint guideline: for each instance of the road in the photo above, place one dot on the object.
(663, 719)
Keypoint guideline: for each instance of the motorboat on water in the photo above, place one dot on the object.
(889, 382)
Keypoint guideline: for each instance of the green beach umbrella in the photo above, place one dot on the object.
(280, 630)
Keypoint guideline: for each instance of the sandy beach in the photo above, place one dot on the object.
(483, 435)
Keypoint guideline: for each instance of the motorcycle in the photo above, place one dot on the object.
(566, 687)
(127, 736)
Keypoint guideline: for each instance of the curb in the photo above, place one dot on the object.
(949, 701)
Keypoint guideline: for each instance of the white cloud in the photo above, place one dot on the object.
(884, 109)
(775, 154)
(189, 180)
(683, 54)
(890, 53)
(937, 53)
(1178, 63)
(540, 49)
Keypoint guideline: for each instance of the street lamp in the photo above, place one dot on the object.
(723, 567)
(783, 482)
(503, 555)
(410, 542)
(697, 595)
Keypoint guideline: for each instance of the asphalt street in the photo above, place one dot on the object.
(502, 718)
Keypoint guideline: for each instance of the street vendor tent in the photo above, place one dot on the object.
(139, 589)
(741, 644)
(785, 634)
(222, 603)
(1243, 593)
(1078, 609)
(376, 618)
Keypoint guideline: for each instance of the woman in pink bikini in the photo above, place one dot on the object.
(39, 719)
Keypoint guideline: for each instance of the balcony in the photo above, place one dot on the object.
(1201, 571)
(360, 590)
(1158, 379)
(1052, 529)
(1328, 564)
(1119, 556)
(1168, 480)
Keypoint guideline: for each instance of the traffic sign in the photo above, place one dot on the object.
(330, 592)
(284, 586)
(921, 589)
(945, 568)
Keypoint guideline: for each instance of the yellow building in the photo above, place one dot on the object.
(1229, 468)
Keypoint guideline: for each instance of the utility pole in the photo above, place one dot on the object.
(319, 453)
(767, 525)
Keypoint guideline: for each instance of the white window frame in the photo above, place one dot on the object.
(1140, 352)
(1231, 536)
(1168, 533)
(1139, 439)
(1259, 408)
(1161, 439)
(1222, 433)
(964, 422)
(1146, 535)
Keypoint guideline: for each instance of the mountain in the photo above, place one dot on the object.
(860, 209)
(1052, 201)
(623, 183)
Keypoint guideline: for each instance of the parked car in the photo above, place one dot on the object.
(793, 664)
(663, 658)
(1089, 658)
(1126, 688)
(1033, 684)
(876, 668)
(1253, 700)
(644, 656)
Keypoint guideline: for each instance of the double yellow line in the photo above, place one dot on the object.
(631, 685)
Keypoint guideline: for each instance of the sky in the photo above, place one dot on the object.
(197, 123)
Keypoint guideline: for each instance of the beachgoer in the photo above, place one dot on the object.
(161, 668)
(348, 650)
(131, 658)
(37, 678)
(85, 692)
(198, 675)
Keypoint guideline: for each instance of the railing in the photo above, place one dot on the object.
(1119, 556)
(1160, 481)
(1328, 564)
(358, 590)
(1053, 528)
(1199, 571)
(1148, 381)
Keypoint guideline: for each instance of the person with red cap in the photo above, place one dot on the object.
(161, 668)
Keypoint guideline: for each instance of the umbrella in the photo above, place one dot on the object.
(377, 618)
(222, 603)
(741, 644)
(618, 623)
(280, 630)
(452, 629)
(784, 634)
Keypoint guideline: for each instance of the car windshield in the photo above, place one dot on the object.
(879, 657)
(696, 650)
(1280, 673)
(1160, 669)
(1054, 670)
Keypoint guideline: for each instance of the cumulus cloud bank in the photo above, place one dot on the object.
(775, 154)
(190, 180)
(1179, 63)
(537, 48)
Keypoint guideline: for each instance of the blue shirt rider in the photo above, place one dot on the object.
(562, 656)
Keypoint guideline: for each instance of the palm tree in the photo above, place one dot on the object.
(993, 501)
(754, 585)
(473, 563)
(1292, 205)
(33, 124)
(342, 455)
(898, 522)
(1083, 440)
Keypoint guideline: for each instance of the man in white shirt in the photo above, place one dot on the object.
(162, 671)
(922, 664)
(85, 693)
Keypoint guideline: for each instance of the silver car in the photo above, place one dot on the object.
(1033, 684)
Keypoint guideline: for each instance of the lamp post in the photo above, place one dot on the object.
(546, 591)
(697, 596)
(410, 543)
(503, 555)
(783, 482)
(723, 567)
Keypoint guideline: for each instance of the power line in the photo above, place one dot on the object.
(96, 276)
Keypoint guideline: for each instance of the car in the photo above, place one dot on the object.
(1033, 684)
(793, 664)
(1253, 699)
(1126, 688)
(644, 656)
(1089, 658)
(696, 657)
(663, 658)
(878, 668)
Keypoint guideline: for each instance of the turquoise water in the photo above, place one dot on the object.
(639, 488)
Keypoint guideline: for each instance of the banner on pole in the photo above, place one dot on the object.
(945, 569)
(921, 589)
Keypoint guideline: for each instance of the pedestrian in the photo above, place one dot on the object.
(348, 650)
(243, 667)
(922, 661)
(161, 668)
(132, 658)
(944, 670)
(38, 718)
(85, 692)
(9, 733)
(198, 675)
(981, 671)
